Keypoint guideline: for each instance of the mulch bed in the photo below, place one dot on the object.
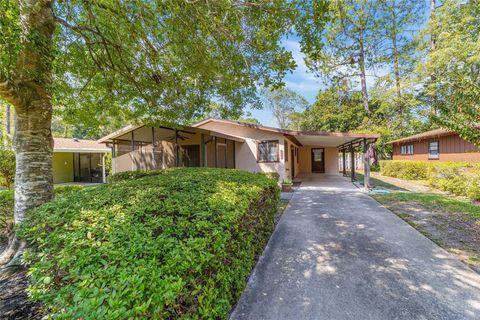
(14, 303)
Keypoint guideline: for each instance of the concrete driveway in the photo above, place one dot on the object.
(338, 254)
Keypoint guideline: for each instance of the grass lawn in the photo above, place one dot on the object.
(451, 222)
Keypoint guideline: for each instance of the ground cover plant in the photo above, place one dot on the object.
(6, 208)
(176, 244)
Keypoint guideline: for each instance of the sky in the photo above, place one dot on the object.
(300, 80)
(305, 83)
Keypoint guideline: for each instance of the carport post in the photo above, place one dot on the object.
(366, 165)
(352, 160)
(344, 162)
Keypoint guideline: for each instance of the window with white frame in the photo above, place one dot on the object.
(268, 151)
(406, 149)
(433, 150)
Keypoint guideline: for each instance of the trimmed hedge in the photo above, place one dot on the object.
(178, 243)
(132, 175)
(460, 178)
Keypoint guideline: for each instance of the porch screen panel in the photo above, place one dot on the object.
(164, 148)
(123, 160)
(230, 154)
(210, 147)
(221, 153)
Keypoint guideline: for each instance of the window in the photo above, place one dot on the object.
(286, 151)
(268, 151)
(296, 153)
(433, 150)
(406, 149)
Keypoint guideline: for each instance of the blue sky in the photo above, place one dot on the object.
(300, 81)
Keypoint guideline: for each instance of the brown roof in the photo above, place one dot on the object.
(425, 135)
(291, 132)
(78, 145)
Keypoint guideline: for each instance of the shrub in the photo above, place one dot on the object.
(6, 213)
(410, 170)
(460, 178)
(133, 175)
(7, 165)
(179, 244)
(7, 202)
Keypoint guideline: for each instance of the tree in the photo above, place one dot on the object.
(351, 40)
(335, 109)
(283, 102)
(455, 61)
(398, 20)
(146, 60)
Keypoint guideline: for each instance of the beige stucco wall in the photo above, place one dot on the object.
(62, 167)
(331, 160)
(288, 163)
(246, 153)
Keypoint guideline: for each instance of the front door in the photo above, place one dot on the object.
(318, 160)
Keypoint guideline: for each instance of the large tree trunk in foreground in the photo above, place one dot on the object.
(27, 88)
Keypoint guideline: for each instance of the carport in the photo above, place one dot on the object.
(343, 142)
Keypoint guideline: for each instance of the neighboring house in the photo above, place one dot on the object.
(76, 160)
(230, 144)
(435, 145)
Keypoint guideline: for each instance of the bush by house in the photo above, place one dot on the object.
(460, 178)
(178, 243)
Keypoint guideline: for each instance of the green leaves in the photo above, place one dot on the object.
(165, 61)
(456, 63)
(178, 243)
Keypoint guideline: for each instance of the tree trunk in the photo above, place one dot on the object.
(363, 78)
(433, 76)
(7, 122)
(396, 69)
(28, 90)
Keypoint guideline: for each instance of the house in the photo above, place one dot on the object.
(76, 160)
(435, 145)
(231, 144)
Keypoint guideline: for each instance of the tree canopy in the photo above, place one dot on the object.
(456, 62)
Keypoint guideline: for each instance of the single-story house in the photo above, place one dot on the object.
(435, 145)
(76, 160)
(231, 144)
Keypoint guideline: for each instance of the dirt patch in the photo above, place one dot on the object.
(458, 233)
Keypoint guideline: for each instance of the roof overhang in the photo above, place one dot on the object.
(191, 130)
(303, 138)
(333, 139)
(83, 150)
(432, 134)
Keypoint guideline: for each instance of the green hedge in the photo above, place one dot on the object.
(6, 206)
(132, 175)
(176, 244)
(460, 178)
